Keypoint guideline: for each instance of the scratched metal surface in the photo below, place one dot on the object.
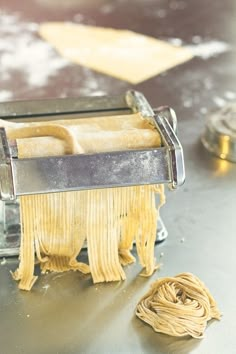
(66, 314)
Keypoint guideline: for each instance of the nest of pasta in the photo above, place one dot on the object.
(178, 306)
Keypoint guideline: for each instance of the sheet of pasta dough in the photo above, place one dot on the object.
(123, 54)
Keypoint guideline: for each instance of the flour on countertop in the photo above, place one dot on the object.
(229, 95)
(177, 5)
(203, 110)
(197, 39)
(175, 41)
(188, 102)
(220, 102)
(206, 50)
(107, 8)
(78, 17)
(208, 83)
(22, 52)
(92, 86)
(202, 48)
(161, 13)
(5, 94)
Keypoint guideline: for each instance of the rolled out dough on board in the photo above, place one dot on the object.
(123, 54)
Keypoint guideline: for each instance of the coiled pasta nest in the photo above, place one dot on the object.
(178, 306)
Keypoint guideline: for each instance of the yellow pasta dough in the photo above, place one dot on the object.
(178, 306)
(124, 54)
(56, 225)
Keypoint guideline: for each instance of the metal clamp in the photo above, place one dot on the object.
(166, 122)
(6, 181)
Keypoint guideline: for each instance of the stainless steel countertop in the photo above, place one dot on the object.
(66, 314)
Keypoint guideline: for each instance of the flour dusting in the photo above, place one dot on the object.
(203, 110)
(92, 86)
(188, 102)
(28, 59)
(107, 8)
(177, 5)
(22, 52)
(206, 50)
(5, 95)
(175, 41)
(229, 95)
(201, 48)
(220, 102)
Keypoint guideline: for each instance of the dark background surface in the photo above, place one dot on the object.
(187, 88)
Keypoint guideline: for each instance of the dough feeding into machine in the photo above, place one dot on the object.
(138, 164)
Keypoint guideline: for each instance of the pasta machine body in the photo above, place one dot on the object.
(28, 176)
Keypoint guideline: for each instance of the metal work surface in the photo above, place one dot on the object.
(67, 314)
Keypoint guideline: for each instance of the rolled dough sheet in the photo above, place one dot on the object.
(123, 54)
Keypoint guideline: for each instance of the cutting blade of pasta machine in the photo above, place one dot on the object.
(86, 171)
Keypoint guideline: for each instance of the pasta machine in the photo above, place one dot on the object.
(27, 176)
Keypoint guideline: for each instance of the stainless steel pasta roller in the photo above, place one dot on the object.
(26, 176)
